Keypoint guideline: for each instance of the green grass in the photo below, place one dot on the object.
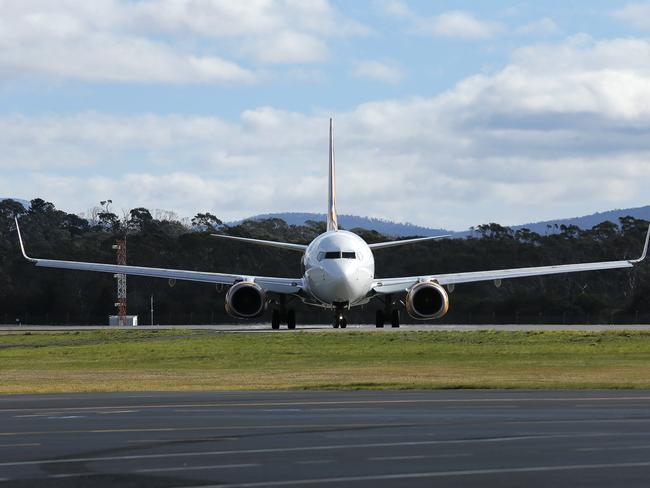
(205, 360)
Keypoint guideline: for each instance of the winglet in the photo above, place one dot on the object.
(22, 246)
(645, 248)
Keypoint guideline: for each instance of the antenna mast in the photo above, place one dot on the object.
(120, 247)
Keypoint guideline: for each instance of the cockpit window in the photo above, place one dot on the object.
(337, 255)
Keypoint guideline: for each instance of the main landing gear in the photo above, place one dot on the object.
(277, 317)
(390, 312)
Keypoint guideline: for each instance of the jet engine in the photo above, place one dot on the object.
(427, 300)
(245, 300)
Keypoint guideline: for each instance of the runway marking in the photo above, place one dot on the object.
(194, 468)
(297, 449)
(315, 461)
(423, 456)
(212, 428)
(619, 448)
(431, 474)
(171, 439)
(118, 411)
(403, 401)
(23, 444)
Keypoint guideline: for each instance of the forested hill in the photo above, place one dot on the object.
(37, 295)
(401, 229)
(385, 227)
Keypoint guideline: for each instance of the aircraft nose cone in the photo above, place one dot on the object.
(343, 277)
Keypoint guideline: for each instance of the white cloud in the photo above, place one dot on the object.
(288, 47)
(224, 18)
(560, 131)
(635, 14)
(168, 41)
(458, 24)
(378, 70)
(395, 8)
(541, 27)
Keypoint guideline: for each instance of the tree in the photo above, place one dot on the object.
(108, 221)
(10, 209)
(140, 218)
(39, 206)
(205, 222)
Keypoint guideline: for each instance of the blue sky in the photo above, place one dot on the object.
(448, 114)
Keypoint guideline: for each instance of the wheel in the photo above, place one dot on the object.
(338, 320)
(394, 318)
(291, 319)
(344, 323)
(275, 319)
(379, 318)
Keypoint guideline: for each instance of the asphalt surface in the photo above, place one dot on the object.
(364, 439)
(266, 328)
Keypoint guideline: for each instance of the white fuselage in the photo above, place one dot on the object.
(339, 268)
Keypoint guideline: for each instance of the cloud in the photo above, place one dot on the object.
(560, 131)
(460, 25)
(224, 18)
(541, 27)
(379, 71)
(395, 8)
(288, 48)
(163, 41)
(636, 15)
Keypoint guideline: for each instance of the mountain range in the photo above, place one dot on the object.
(399, 229)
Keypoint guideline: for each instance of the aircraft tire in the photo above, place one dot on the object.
(394, 318)
(379, 319)
(275, 319)
(291, 319)
(344, 323)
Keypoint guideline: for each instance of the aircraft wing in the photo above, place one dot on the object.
(383, 245)
(270, 284)
(397, 285)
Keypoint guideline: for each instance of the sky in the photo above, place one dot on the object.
(447, 113)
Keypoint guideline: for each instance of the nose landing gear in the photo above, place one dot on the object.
(340, 320)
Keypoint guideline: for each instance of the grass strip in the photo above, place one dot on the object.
(204, 360)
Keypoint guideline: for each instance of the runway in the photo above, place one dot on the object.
(410, 438)
(266, 328)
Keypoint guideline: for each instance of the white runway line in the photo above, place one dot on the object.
(315, 461)
(423, 456)
(432, 474)
(298, 449)
(308, 403)
(613, 448)
(195, 468)
(24, 444)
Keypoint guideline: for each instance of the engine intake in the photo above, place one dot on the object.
(427, 300)
(245, 300)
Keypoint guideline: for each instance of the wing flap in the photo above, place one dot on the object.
(282, 245)
(271, 284)
(397, 285)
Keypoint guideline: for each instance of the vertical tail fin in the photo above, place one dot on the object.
(332, 222)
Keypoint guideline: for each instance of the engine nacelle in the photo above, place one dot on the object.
(427, 300)
(245, 300)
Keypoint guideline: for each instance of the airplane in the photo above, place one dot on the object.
(339, 273)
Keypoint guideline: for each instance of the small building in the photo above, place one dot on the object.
(131, 320)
